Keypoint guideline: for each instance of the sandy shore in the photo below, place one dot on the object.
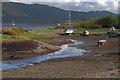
(98, 62)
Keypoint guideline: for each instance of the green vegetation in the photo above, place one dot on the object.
(93, 25)
(92, 31)
(61, 27)
(17, 33)
(12, 31)
(87, 24)
(5, 36)
(97, 23)
(44, 30)
(108, 21)
(31, 35)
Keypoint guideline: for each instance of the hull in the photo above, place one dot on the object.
(68, 31)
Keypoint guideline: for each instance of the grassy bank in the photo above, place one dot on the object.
(92, 31)
(24, 35)
(31, 35)
(46, 33)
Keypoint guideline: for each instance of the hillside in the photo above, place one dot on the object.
(42, 13)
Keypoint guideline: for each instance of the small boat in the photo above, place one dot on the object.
(13, 24)
(86, 33)
(69, 29)
(59, 24)
(112, 32)
(101, 42)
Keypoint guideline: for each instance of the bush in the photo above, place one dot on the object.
(60, 27)
(91, 25)
(12, 31)
(95, 26)
(109, 21)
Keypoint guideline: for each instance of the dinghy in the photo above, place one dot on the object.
(112, 32)
(86, 33)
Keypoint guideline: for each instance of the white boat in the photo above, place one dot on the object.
(113, 33)
(69, 30)
(59, 24)
(86, 33)
(13, 24)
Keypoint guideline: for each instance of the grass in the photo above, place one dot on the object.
(5, 36)
(43, 30)
(31, 35)
(23, 36)
(92, 31)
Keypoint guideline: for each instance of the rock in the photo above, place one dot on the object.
(11, 56)
(48, 46)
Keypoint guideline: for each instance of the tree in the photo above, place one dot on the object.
(108, 21)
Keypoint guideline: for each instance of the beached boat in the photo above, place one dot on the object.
(86, 33)
(69, 29)
(112, 32)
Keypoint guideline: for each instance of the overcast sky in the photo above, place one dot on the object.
(78, 5)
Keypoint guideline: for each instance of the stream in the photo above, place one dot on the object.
(67, 50)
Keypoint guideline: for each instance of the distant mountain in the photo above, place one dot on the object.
(42, 13)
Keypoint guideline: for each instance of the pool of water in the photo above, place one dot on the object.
(67, 50)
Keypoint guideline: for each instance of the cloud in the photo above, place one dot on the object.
(78, 5)
(101, 1)
(4, 0)
(86, 6)
(116, 4)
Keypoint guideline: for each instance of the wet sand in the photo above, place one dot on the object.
(98, 62)
(30, 48)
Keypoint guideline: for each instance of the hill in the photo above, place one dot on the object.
(42, 13)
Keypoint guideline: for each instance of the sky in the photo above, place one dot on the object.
(77, 5)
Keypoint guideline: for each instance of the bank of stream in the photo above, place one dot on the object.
(66, 50)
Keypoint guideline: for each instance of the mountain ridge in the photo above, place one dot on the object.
(43, 13)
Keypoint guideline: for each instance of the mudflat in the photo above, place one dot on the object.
(98, 61)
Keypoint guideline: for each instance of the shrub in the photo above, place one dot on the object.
(109, 21)
(60, 27)
(91, 25)
(12, 31)
(95, 26)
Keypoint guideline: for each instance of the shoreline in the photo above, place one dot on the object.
(31, 48)
(98, 62)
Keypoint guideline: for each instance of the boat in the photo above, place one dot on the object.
(86, 33)
(59, 24)
(113, 33)
(69, 30)
(101, 42)
(13, 24)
